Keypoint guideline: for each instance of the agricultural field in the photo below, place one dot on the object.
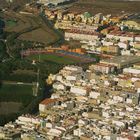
(54, 58)
(14, 99)
(38, 35)
(43, 34)
(29, 28)
(12, 92)
(16, 22)
(113, 7)
(11, 23)
(9, 107)
(22, 76)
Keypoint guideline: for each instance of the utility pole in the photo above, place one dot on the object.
(38, 75)
(22, 45)
(36, 84)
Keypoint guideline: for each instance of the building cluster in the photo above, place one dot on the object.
(99, 33)
(130, 24)
(80, 26)
(114, 42)
(101, 102)
(86, 105)
(68, 20)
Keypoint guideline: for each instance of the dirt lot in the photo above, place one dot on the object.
(106, 6)
(38, 35)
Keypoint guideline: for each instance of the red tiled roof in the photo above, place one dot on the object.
(48, 101)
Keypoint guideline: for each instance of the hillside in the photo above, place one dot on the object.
(16, 3)
(107, 6)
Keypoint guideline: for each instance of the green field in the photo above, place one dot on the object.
(7, 108)
(21, 76)
(54, 58)
(15, 100)
(11, 23)
(16, 93)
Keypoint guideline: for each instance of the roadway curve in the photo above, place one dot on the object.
(32, 27)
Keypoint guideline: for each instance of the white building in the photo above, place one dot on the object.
(58, 86)
(78, 90)
(46, 104)
(132, 71)
(55, 2)
(123, 45)
(80, 35)
(94, 95)
(121, 37)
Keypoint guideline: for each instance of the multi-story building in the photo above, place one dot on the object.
(121, 61)
(82, 35)
(103, 68)
(55, 2)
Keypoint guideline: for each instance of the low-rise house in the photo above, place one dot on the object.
(79, 90)
(47, 104)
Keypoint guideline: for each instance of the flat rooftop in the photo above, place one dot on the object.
(121, 60)
(137, 64)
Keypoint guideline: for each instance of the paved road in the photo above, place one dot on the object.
(17, 83)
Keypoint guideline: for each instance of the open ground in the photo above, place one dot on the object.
(113, 7)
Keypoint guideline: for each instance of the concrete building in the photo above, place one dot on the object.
(132, 71)
(82, 35)
(123, 45)
(78, 90)
(132, 24)
(9, 134)
(55, 2)
(46, 104)
(137, 45)
(121, 61)
(121, 36)
(111, 49)
(103, 68)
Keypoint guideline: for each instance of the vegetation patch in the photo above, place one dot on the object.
(9, 107)
(11, 23)
(13, 92)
